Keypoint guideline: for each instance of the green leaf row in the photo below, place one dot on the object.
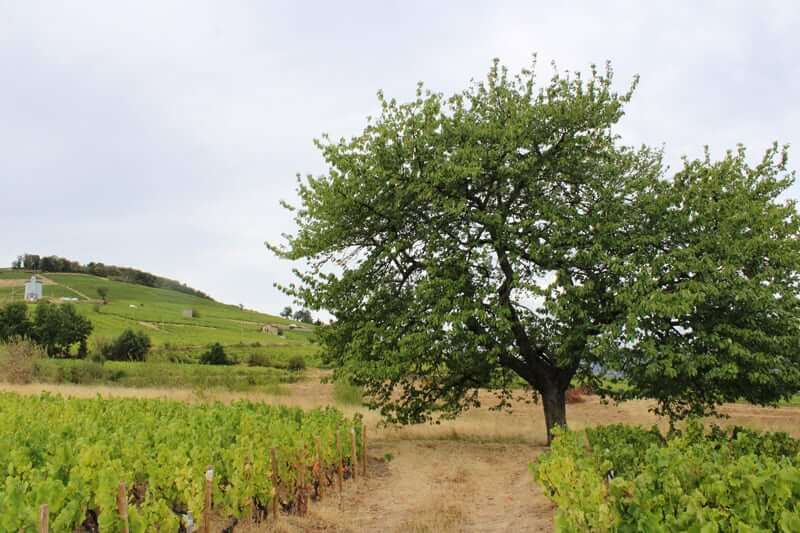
(72, 455)
(623, 479)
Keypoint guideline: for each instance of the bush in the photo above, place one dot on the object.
(215, 355)
(101, 349)
(18, 359)
(297, 363)
(259, 359)
(346, 393)
(81, 373)
(14, 321)
(130, 346)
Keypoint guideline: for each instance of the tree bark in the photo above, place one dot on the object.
(554, 401)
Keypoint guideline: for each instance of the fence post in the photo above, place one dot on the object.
(122, 506)
(301, 494)
(340, 466)
(44, 519)
(208, 502)
(364, 451)
(319, 474)
(274, 457)
(354, 454)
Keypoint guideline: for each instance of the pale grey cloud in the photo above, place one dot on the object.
(162, 134)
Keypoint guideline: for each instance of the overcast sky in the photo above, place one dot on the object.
(162, 135)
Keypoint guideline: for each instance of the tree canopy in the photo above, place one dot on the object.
(506, 232)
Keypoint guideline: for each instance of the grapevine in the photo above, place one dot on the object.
(73, 454)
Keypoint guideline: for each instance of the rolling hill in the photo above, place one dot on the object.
(161, 314)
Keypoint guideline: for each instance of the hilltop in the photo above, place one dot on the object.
(161, 313)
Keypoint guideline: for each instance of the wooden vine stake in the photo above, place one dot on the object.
(207, 506)
(274, 457)
(354, 454)
(122, 507)
(318, 474)
(301, 494)
(364, 451)
(339, 466)
(44, 519)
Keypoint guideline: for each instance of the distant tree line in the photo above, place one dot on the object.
(53, 263)
(301, 315)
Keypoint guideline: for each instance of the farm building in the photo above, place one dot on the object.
(272, 329)
(33, 289)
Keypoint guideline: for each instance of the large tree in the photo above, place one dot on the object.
(711, 292)
(463, 243)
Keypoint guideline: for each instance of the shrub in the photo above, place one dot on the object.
(130, 346)
(215, 355)
(18, 358)
(346, 393)
(259, 359)
(169, 353)
(297, 363)
(101, 349)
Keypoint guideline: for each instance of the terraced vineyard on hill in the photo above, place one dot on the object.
(161, 313)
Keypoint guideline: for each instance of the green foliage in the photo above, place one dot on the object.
(711, 299)
(740, 480)
(347, 393)
(286, 312)
(58, 327)
(445, 215)
(506, 230)
(14, 321)
(73, 454)
(303, 315)
(129, 346)
(215, 355)
(102, 292)
(622, 445)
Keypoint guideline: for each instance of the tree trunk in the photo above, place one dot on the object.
(554, 400)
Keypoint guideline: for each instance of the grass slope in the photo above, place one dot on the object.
(159, 313)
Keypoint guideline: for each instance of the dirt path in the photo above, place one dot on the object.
(439, 486)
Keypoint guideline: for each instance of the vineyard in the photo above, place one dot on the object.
(143, 465)
(622, 478)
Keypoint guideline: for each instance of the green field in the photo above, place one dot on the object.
(159, 313)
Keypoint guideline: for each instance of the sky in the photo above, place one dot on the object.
(162, 135)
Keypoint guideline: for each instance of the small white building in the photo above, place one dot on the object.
(33, 289)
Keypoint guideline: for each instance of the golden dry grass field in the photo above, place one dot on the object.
(466, 475)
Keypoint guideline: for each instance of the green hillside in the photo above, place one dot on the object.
(160, 313)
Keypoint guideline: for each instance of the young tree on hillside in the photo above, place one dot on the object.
(102, 292)
(286, 312)
(58, 327)
(505, 231)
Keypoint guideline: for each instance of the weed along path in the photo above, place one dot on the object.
(440, 486)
